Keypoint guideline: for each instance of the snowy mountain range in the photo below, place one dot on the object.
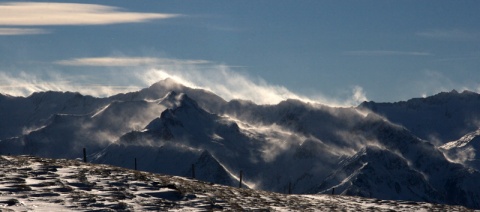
(419, 150)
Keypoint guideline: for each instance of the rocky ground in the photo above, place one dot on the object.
(39, 184)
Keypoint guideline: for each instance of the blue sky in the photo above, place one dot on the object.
(334, 52)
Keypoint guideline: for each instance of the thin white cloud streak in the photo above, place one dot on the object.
(43, 14)
(385, 53)
(458, 59)
(23, 31)
(127, 61)
(453, 34)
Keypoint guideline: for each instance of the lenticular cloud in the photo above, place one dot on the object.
(28, 13)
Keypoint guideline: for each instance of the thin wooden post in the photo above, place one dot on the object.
(333, 191)
(135, 163)
(290, 188)
(84, 155)
(193, 171)
(241, 176)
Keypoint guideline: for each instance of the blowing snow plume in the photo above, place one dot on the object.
(128, 74)
(229, 84)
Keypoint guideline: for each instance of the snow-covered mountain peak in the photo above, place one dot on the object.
(205, 99)
(464, 150)
(174, 99)
(183, 113)
(171, 96)
(185, 101)
(168, 83)
(472, 138)
(176, 102)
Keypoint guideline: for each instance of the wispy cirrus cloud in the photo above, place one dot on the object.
(22, 31)
(127, 61)
(385, 53)
(452, 34)
(49, 14)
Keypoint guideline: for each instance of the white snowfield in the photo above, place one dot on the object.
(29, 183)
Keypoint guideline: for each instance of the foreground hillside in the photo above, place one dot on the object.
(40, 184)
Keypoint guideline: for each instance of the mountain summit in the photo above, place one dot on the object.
(205, 99)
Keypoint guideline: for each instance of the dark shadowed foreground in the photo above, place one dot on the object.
(39, 184)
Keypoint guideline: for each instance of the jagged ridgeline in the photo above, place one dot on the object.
(397, 151)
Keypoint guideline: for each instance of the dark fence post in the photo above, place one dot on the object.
(333, 191)
(135, 163)
(84, 155)
(290, 188)
(193, 171)
(241, 176)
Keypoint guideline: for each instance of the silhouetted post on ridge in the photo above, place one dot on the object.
(290, 188)
(240, 183)
(135, 163)
(84, 155)
(333, 191)
(193, 171)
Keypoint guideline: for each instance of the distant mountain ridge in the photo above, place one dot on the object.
(442, 117)
(379, 150)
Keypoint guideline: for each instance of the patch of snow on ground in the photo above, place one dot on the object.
(37, 184)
